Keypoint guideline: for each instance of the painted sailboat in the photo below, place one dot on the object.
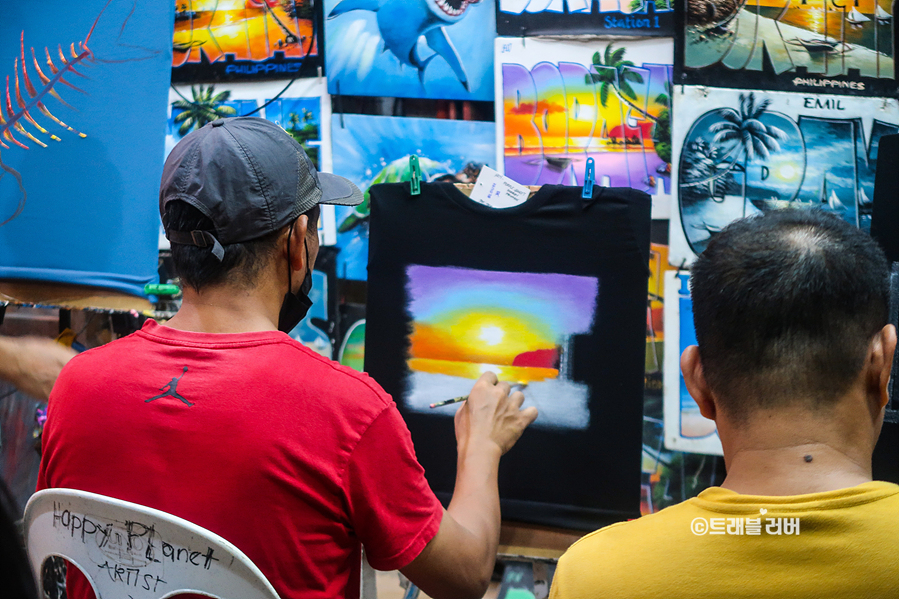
(856, 18)
(820, 45)
(831, 201)
(772, 203)
(881, 15)
(834, 203)
(817, 44)
(863, 200)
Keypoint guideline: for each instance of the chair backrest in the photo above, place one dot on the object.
(128, 550)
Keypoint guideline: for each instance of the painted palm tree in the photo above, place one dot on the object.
(753, 138)
(638, 5)
(305, 118)
(661, 130)
(304, 129)
(614, 76)
(207, 106)
(703, 166)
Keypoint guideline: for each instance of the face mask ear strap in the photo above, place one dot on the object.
(289, 265)
(306, 247)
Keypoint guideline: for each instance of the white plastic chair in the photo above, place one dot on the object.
(128, 550)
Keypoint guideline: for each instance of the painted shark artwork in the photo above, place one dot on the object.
(741, 152)
(410, 48)
(516, 18)
(808, 46)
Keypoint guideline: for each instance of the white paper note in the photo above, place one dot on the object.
(497, 191)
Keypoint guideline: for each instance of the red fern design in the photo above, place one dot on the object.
(18, 106)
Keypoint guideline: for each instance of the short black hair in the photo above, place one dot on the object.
(242, 262)
(785, 305)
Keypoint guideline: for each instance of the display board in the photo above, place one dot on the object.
(245, 40)
(569, 17)
(303, 110)
(559, 103)
(808, 46)
(685, 428)
(375, 149)
(422, 49)
(78, 202)
(740, 152)
(456, 289)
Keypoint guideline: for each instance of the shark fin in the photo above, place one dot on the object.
(440, 42)
(416, 61)
(421, 69)
(348, 5)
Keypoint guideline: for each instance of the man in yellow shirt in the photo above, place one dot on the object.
(793, 362)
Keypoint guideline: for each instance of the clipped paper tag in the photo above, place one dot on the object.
(497, 191)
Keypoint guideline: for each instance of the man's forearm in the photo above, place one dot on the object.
(10, 365)
(475, 502)
(32, 364)
(458, 562)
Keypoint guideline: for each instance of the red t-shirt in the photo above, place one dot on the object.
(291, 457)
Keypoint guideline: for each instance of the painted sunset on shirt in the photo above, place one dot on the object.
(519, 325)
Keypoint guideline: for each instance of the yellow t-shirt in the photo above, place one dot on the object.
(839, 544)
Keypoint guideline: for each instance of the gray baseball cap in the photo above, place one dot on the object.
(249, 177)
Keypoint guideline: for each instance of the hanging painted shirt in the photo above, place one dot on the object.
(79, 178)
(550, 293)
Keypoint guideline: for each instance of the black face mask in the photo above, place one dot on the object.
(295, 305)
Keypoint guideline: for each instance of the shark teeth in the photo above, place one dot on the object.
(447, 6)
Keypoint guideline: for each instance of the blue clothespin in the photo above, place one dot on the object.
(589, 177)
(415, 180)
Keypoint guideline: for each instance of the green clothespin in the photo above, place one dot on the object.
(415, 180)
(161, 289)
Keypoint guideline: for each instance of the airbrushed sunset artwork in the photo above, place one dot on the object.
(241, 39)
(561, 103)
(519, 325)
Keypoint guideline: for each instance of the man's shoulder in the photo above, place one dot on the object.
(634, 533)
(277, 353)
(868, 511)
(105, 355)
(704, 548)
(340, 378)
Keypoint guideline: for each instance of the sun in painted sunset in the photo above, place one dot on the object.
(482, 336)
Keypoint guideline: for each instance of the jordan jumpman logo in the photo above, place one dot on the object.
(171, 390)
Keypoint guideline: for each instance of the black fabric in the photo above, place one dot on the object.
(16, 581)
(578, 479)
(885, 229)
(885, 210)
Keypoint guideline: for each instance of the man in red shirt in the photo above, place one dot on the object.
(220, 418)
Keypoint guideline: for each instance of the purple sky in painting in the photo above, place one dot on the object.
(565, 302)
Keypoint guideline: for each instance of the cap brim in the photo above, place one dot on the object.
(339, 191)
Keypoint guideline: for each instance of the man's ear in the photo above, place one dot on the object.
(297, 241)
(880, 364)
(694, 378)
